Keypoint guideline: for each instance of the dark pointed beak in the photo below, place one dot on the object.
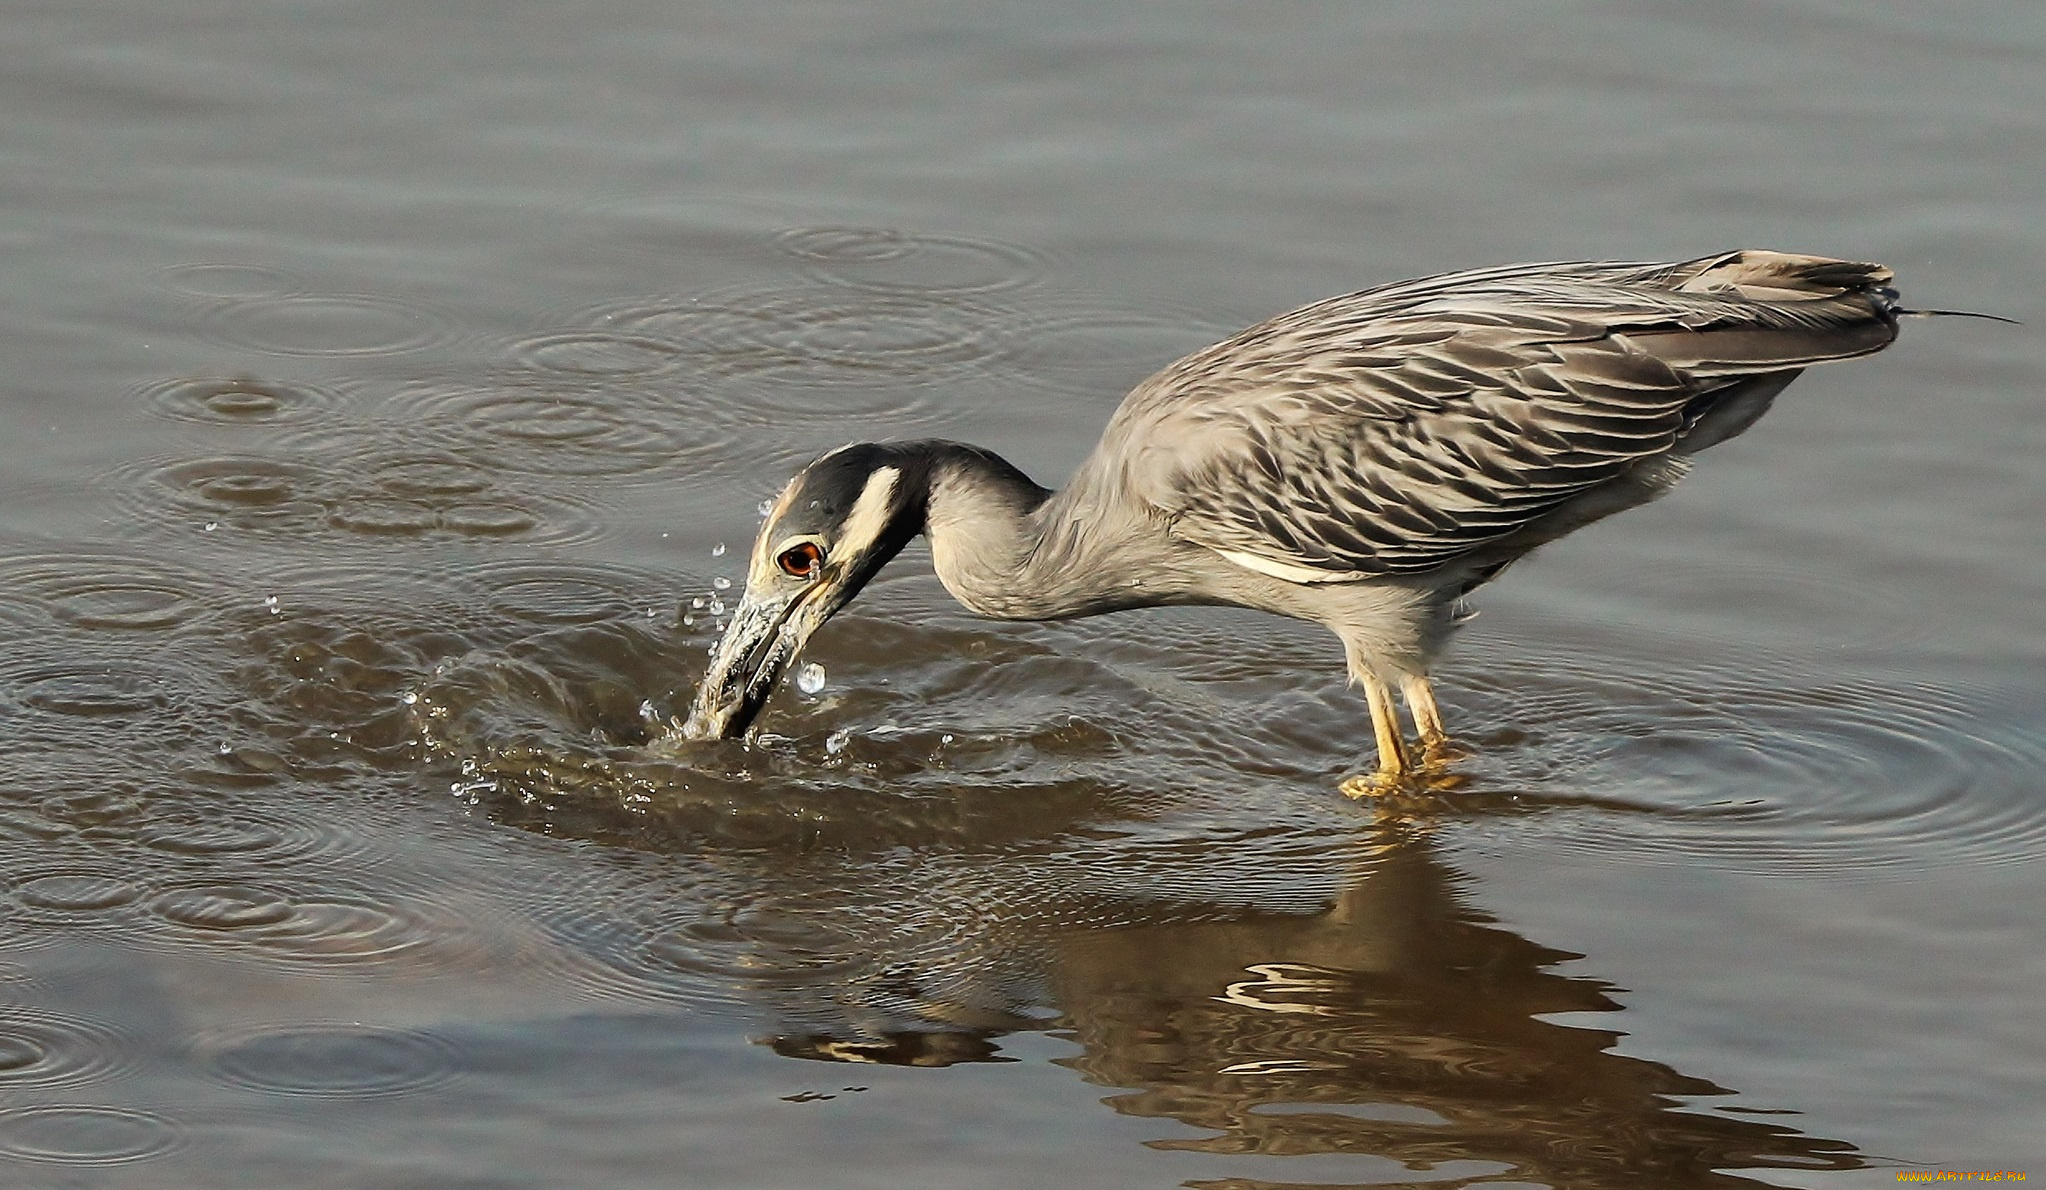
(766, 633)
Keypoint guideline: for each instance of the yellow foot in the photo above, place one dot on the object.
(1434, 776)
(1438, 753)
(1378, 784)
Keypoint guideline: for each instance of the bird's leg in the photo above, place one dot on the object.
(1392, 751)
(1436, 750)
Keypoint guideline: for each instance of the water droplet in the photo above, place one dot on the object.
(409, 698)
(717, 607)
(212, 525)
(718, 550)
(688, 620)
(946, 738)
(697, 602)
(766, 506)
(270, 601)
(810, 678)
(836, 741)
(721, 583)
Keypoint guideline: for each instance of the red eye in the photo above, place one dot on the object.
(802, 560)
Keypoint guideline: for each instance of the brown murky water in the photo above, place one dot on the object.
(389, 392)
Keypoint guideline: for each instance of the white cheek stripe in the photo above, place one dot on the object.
(869, 513)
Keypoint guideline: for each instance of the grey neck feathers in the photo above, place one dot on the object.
(1012, 550)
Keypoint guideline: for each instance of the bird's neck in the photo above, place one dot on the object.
(1010, 549)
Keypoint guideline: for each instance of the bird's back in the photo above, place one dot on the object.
(1401, 429)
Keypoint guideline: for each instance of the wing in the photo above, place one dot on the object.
(1393, 430)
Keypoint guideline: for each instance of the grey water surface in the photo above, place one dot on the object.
(388, 392)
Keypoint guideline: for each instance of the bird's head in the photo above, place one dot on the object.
(832, 528)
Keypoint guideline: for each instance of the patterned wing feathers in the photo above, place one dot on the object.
(1393, 430)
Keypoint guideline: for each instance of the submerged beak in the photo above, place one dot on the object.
(766, 633)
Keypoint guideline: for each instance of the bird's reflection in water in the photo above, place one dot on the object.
(1399, 1023)
(900, 913)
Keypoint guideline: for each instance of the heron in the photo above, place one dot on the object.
(1364, 463)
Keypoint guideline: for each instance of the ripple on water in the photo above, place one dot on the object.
(331, 1061)
(239, 401)
(753, 941)
(51, 1049)
(1749, 764)
(1102, 352)
(223, 281)
(506, 515)
(335, 930)
(827, 352)
(911, 947)
(221, 909)
(336, 927)
(677, 936)
(374, 517)
(326, 325)
(210, 834)
(85, 1134)
(243, 492)
(359, 485)
(421, 475)
(88, 692)
(540, 427)
(381, 600)
(570, 592)
(396, 487)
(76, 897)
(677, 968)
(890, 261)
(90, 804)
(597, 354)
(99, 589)
(17, 612)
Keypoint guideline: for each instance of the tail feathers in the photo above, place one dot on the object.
(1784, 277)
(1766, 276)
